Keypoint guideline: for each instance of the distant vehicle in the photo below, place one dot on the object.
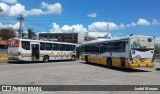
(127, 52)
(38, 50)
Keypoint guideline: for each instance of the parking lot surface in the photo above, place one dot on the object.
(76, 73)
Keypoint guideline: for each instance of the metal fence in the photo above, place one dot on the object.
(3, 55)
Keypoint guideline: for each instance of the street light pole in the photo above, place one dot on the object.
(20, 31)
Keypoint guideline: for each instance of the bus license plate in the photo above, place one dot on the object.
(142, 65)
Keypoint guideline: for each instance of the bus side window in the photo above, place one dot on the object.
(49, 46)
(68, 48)
(110, 47)
(55, 46)
(62, 47)
(91, 49)
(103, 47)
(119, 46)
(98, 48)
(149, 40)
(26, 45)
(83, 49)
(72, 47)
(42, 46)
(124, 46)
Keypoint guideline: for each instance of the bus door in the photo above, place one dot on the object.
(35, 52)
(123, 51)
(77, 52)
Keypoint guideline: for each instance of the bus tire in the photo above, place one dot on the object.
(109, 63)
(86, 59)
(45, 59)
(73, 58)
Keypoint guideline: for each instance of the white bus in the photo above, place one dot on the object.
(38, 50)
(127, 52)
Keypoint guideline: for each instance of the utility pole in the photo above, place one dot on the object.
(108, 27)
(20, 31)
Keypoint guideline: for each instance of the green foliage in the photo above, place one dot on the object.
(7, 33)
(157, 49)
(31, 34)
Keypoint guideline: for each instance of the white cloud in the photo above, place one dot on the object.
(96, 29)
(44, 5)
(35, 12)
(5, 8)
(17, 9)
(102, 26)
(92, 15)
(14, 10)
(143, 22)
(155, 22)
(14, 26)
(67, 29)
(157, 41)
(121, 26)
(9, 1)
(132, 24)
(74, 28)
(52, 8)
(55, 28)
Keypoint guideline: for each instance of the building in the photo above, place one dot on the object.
(62, 37)
(90, 38)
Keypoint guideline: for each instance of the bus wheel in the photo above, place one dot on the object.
(109, 63)
(45, 59)
(86, 59)
(73, 58)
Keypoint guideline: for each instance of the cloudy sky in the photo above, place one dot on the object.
(138, 17)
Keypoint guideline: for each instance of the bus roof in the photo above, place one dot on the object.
(113, 39)
(44, 41)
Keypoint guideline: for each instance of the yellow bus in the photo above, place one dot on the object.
(128, 52)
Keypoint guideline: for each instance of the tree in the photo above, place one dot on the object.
(31, 34)
(7, 33)
(157, 49)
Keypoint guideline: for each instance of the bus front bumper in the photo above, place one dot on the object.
(141, 65)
